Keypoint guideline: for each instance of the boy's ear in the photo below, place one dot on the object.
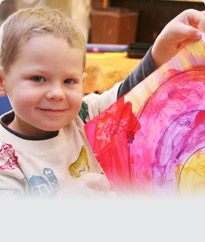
(2, 88)
(84, 76)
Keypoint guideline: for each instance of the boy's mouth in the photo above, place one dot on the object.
(52, 110)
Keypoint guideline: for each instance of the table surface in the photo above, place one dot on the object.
(105, 69)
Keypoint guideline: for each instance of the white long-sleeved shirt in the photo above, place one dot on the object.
(44, 166)
(41, 166)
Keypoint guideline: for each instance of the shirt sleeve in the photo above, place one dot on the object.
(97, 103)
(143, 70)
(94, 104)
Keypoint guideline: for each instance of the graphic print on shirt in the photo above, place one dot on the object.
(8, 158)
(44, 187)
(80, 165)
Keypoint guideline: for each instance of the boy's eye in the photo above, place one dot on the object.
(69, 81)
(38, 78)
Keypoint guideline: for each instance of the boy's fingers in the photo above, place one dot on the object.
(197, 20)
(184, 32)
(201, 25)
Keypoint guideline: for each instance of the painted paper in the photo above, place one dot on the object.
(152, 140)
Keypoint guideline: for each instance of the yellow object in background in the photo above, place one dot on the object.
(105, 69)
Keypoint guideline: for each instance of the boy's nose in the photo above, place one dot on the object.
(55, 92)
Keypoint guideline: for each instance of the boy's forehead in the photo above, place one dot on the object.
(72, 45)
(52, 48)
(47, 37)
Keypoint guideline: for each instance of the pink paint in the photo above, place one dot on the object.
(183, 93)
(114, 127)
(183, 138)
(142, 151)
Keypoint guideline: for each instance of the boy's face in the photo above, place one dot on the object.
(44, 85)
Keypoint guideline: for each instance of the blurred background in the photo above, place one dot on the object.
(118, 32)
(152, 15)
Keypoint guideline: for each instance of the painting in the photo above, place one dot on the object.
(152, 140)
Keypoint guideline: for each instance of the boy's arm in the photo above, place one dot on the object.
(94, 104)
(183, 29)
(144, 69)
(179, 32)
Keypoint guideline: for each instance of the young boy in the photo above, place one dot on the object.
(43, 148)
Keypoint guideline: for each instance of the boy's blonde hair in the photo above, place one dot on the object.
(27, 23)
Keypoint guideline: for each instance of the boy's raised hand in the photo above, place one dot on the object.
(183, 29)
